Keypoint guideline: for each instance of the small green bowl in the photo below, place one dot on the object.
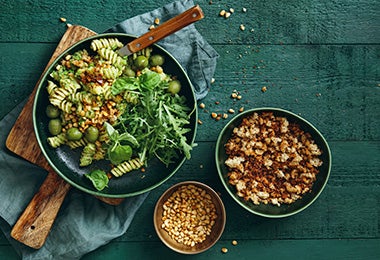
(269, 210)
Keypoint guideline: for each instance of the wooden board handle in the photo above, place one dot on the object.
(171, 26)
(33, 226)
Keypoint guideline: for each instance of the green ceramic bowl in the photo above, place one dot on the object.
(65, 161)
(269, 210)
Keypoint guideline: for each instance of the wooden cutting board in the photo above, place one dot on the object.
(33, 226)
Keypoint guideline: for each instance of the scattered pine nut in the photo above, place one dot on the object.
(232, 10)
(225, 116)
(238, 97)
(63, 19)
(234, 95)
(234, 242)
(212, 80)
(227, 15)
(200, 122)
(202, 105)
(242, 27)
(222, 12)
(263, 89)
(241, 109)
(244, 10)
(157, 21)
(224, 250)
(152, 27)
(231, 111)
(214, 115)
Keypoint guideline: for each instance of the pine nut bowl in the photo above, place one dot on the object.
(272, 162)
(189, 217)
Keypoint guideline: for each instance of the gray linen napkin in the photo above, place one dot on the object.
(84, 223)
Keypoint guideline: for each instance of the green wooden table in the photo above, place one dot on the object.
(319, 59)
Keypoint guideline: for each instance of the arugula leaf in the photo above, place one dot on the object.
(98, 178)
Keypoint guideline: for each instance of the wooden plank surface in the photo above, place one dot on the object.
(319, 59)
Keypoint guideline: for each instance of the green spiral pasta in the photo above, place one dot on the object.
(131, 97)
(111, 72)
(57, 140)
(111, 43)
(76, 144)
(87, 154)
(113, 57)
(51, 87)
(126, 167)
(58, 96)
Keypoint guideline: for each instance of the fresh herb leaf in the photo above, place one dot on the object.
(124, 83)
(98, 178)
(119, 154)
(150, 79)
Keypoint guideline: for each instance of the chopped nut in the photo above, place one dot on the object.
(227, 15)
(242, 27)
(217, 102)
(264, 88)
(239, 97)
(232, 10)
(222, 12)
(234, 242)
(152, 27)
(157, 21)
(188, 215)
(241, 109)
(63, 19)
(202, 105)
(231, 111)
(200, 122)
(214, 115)
(212, 80)
(244, 10)
(224, 250)
(225, 116)
(234, 95)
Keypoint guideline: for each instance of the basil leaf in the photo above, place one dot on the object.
(111, 132)
(150, 79)
(119, 154)
(124, 83)
(98, 178)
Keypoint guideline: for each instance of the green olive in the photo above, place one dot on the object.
(52, 111)
(92, 134)
(174, 86)
(156, 60)
(73, 134)
(55, 126)
(141, 62)
(129, 72)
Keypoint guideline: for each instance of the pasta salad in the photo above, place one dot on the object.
(122, 109)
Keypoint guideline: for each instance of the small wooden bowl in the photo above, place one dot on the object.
(216, 230)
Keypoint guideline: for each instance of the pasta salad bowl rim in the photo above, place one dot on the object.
(65, 161)
(269, 210)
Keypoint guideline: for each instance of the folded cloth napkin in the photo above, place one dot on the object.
(84, 223)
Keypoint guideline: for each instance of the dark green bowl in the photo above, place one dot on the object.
(269, 210)
(65, 161)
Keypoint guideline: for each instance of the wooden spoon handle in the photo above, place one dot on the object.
(171, 26)
(33, 226)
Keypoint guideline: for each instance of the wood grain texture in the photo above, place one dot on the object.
(319, 59)
(34, 224)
